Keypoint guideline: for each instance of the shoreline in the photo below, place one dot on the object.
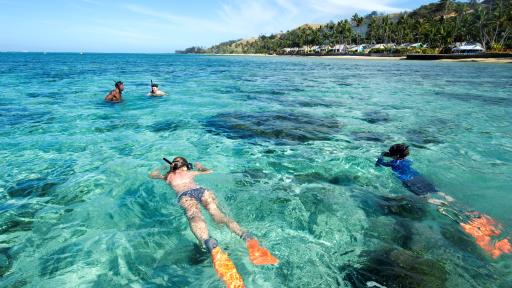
(479, 60)
(358, 57)
(367, 57)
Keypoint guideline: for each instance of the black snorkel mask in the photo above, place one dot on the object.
(153, 84)
(189, 165)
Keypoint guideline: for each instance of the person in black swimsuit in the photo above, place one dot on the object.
(191, 196)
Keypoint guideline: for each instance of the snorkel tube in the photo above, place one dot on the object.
(189, 165)
(117, 83)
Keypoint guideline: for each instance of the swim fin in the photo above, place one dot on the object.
(503, 246)
(259, 255)
(226, 269)
(482, 229)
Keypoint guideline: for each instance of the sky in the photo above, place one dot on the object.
(163, 26)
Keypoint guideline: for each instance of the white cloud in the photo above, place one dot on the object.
(254, 17)
(233, 19)
(337, 7)
(172, 20)
(251, 18)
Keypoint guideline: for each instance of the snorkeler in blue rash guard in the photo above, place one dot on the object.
(483, 228)
(411, 179)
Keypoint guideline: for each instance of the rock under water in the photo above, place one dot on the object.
(277, 126)
(374, 117)
(399, 206)
(398, 268)
(369, 136)
(424, 136)
(168, 125)
(39, 187)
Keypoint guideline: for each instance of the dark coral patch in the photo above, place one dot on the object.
(396, 268)
(374, 117)
(281, 127)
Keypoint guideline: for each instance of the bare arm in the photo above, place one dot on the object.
(109, 96)
(112, 96)
(156, 174)
(201, 169)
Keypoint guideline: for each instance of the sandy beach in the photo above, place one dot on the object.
(357, 57)
(481, 60)
(360, 57)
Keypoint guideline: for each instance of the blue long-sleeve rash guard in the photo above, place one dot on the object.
(411, 179)
(402, 168)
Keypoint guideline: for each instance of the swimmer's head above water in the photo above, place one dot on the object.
(119, 85)
(154, 88)
(179, 163)
(397, 151)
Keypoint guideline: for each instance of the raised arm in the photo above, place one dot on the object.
(200, 169)
(156, 174)
(381, 162)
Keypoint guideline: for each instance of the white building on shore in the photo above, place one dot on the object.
(468, 48)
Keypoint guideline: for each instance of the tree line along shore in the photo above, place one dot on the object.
(443, 27)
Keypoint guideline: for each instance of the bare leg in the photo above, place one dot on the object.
(195, 219)
(210, 203)
(434, 199)
(446, 197)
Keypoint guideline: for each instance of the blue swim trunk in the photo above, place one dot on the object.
(196, 194)
(419, 186)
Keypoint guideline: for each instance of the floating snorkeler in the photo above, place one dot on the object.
(155, 91)
(476, 224)
(191, 196)
(116, 95)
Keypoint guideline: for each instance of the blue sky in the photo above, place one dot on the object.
(163, 25)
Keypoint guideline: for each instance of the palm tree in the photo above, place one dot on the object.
(445, 4)
(357, 21)
(372, 30)
(386, 27)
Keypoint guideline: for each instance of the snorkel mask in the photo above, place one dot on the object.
(188, 165)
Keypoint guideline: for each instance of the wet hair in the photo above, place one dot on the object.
(154, 85)
(178, 163)
(118, 83)
(399, 151)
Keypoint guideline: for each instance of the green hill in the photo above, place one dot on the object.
(437, 25)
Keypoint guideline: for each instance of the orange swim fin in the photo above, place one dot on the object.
(226, 269)
(259, 255)
(482, 229)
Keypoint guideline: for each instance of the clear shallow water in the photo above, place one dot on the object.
(293, 142)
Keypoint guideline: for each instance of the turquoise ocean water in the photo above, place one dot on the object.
(293, 142)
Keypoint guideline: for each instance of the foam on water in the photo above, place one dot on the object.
(293, 143)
